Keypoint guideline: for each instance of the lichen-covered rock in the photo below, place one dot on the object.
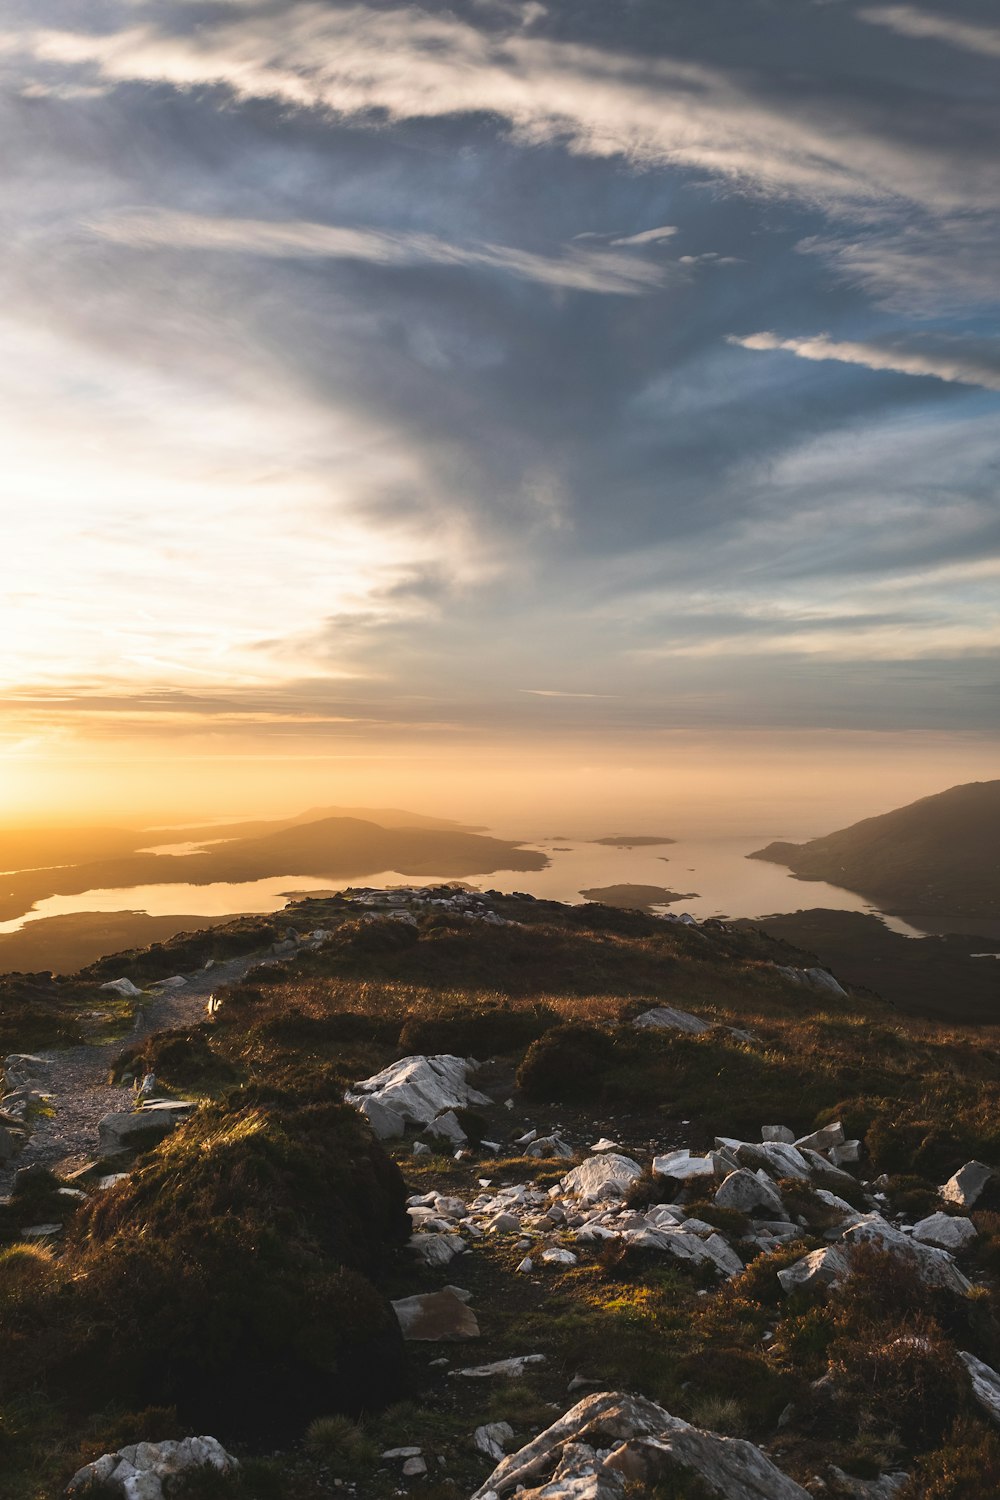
(611, 1441)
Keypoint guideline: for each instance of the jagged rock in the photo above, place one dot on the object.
(22, 1068)
(666, 1018)
(387, 1124)
(745, 1191)
(610, 1440)
(822, 1139)
(123, 987)
(818, 1268)
(493, 1439)
(815, 979)
(682, 1166)
(967, 1184)
(138, 1471)
(508, 1369)
(413, 1467)
(126, 1130)
(601, 1176)
(946, 1231)
(436, 1249)
(421, 1088)
(936, 1267)
(436, 1317)
(778, 1133)
(604, 1144)
(985, 1384)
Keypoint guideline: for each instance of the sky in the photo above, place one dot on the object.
(422, 400)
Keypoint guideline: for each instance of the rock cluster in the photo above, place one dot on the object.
(25, 1077)
(143, 1471)
(403, 902)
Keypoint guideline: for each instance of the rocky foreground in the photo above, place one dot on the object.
(382, 1234)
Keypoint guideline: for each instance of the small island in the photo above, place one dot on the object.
(636, 897)
(632, 841)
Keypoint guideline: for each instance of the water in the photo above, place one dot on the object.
(728, 884)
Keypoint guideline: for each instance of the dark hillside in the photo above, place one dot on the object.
(940, 855)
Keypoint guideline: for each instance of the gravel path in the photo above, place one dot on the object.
(81, 1094)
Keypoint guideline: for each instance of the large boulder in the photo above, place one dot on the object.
(420, 1088)
(607, 1175)
(610, 1442)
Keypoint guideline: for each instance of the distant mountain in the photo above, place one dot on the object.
(337, 848)
(938, 855)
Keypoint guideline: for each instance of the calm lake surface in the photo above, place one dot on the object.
(728, 884)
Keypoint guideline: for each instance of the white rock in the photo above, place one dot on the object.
(744, 1191)
(967, 1184)
(414, 1466)
(777, 1133)
(123, 987)
(421, 1088)
(823, 1139)
(510, 1369)
(682, 1166)
(604, 1144)
(610, 1440)
(558, 1257)
(600, 1174)
(175, 982)
(818, 1268)
(666, 1018)
(446, 1127)
(436, 1249)
(125, 1129)
(935, 1267)
(526, 1265)
(411, 1452)
(946, 1231)
(493, 1439)
(985, 1384)
(387, 1124)
(846, 1154)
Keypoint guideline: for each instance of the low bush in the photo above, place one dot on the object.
(567, 1063)
(966, 1467)
(476, 1031)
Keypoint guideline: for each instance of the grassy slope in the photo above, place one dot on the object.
(548, 997)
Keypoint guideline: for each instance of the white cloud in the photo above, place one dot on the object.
(907, 20)
(575, 270)
(407, 64)
(648, 236)
(963, 367)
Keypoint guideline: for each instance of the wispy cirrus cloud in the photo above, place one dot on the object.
(574, 270)
(961, 366)
(922, 25)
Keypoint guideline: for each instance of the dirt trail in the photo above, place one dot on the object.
(81, 1094)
